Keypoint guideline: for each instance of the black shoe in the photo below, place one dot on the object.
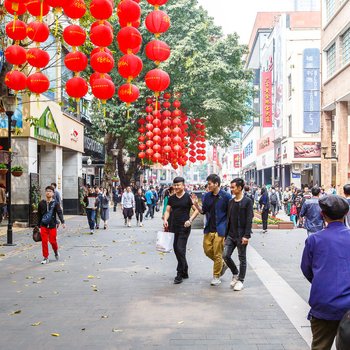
(185, 275)
(97, 227)
(178, 279)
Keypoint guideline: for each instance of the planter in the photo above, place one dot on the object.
(3, 171)
(285, 225)
(17, 173)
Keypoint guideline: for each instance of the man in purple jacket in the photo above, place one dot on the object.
(326, 265)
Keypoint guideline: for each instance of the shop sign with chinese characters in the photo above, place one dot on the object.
(237, 161)
(266, 98)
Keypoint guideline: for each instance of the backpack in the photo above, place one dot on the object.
(273, 198)
(46, 219)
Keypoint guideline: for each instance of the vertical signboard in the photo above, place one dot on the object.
(236, 160)
(312, 93)
(266, 98)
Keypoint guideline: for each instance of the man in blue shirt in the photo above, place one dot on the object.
(214, 206)
(326, 265)
(149, 201)
(312, 212)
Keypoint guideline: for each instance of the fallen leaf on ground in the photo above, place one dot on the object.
(2, 254)
(15, 312)
(91, 276)
(117, 330)
(83, 329)
(143, 253)
(104, 316)
(36, 324)
(55, 334)
(180, 322)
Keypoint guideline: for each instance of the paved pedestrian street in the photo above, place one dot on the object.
(113, 290)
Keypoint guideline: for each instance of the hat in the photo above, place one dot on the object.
(335, 207)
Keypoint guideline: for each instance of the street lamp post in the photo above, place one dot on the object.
(9, 103)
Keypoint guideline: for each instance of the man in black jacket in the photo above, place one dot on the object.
(48, 231)
(238, 230)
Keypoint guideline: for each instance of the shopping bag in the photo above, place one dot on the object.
(36, 234)
(165, 241)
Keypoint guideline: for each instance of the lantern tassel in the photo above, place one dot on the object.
(41, 10)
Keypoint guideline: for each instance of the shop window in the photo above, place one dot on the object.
(346, 47)
(330, 60)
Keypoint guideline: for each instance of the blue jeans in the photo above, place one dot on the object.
(91, 215)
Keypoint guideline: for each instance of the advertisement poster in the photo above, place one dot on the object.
(266, 98)
(307, 149)
(237, 161)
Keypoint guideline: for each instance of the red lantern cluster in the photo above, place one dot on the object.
(101, 58)
(197, 140)
(157, 22)
(129, 41)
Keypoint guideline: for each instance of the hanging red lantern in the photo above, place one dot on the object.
(101, 9)
(157, 22)
(38, 31)
(129, 38)
(142, 155)
(103, 89)
(98, 75)
(158, 51)
(75, 9)
(128, 93)
(16, 80)
(128, 11)
(102, 62)
(101, 35)
(38, 83)
(130, 66)
(157, 2)
(16, 30)
(56, 3)
(76, 61)
(38, 58)
(141, 146)
(37, 8)
(99, 49)
(74, 35)
(157, 80)
(134, 24)
(16, 55)
(105, 23)
(15, 8)
(76, 87)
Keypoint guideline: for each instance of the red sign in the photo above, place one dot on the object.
(266, 97)
(237, 161)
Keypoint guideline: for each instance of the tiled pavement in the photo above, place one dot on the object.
(112, 290)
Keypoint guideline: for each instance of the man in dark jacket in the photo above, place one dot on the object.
(326, 265)
(238, 231)
(48, 231)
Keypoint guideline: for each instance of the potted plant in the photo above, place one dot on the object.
(17, 170)
(3, 169)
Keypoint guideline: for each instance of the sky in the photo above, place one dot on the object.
(239, 16)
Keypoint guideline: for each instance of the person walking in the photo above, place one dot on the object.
(312, 212)
(325, 264)
(238, 232)
(105, 200)
(293, 215)
(214, 206)
(128, 205)
(57, 196)
(167, 193)
(179, 206)
(91, 202)
(99, 192)
(48, 209)
(274, 202)
(140, 207)
(149, 202)
(346, 190)
(264, 207)
(115, 198)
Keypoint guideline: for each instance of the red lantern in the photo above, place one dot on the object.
(101, 9)
(101, 35)
(98, 75)
(99, 49)
(130, 66)
(37, 8)
(16, 30)
(141, 147)
(56, 3)
(16, 55)
(157, 51)
(15, 8)
(149, 143)
(134, 24)
(103, 89)
(76, 87)
(141, 138)
(76, 61)
(142, 155)
(149, 153)
(74, 35)
(38, 83)
(102, 62)
(38, 31)
(128, 11)
(157, 22)
(75, 9)
(157, 2)
(167, 96)
(15, 80)
(38, 58)
(129, 38)
(128, 93)
(157, 80)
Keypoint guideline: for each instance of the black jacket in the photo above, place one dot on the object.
(245, 217)
(140, 203)
(44, 207)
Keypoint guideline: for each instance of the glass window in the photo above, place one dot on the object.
(331, 61)
(290, 129)
(289, 86)
(330, 8)
(346, 47)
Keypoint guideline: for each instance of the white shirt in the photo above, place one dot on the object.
(128, 200)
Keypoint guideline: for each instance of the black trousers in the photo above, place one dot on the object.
(264, 218)
(230, 245)
(181, 235)
(139, 216)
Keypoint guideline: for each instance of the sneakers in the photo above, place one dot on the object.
(141, 224)
(215, 281)
(178, 279)
(57, 256)
(129, 223)
(234, 281)
(223, 270)
(238, 286)
(45, 261)
(105, 227)
(185, 275)
(91, 232)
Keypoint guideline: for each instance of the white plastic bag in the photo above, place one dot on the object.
(165, 241)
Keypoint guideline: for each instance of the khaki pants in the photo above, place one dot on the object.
(323, 333)
(213, 246)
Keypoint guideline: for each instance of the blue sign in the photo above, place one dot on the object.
(296, 176)
(312, 90)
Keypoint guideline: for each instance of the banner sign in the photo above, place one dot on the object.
(312, 93)
(237, 161)
(266, 91)
(307, 149)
